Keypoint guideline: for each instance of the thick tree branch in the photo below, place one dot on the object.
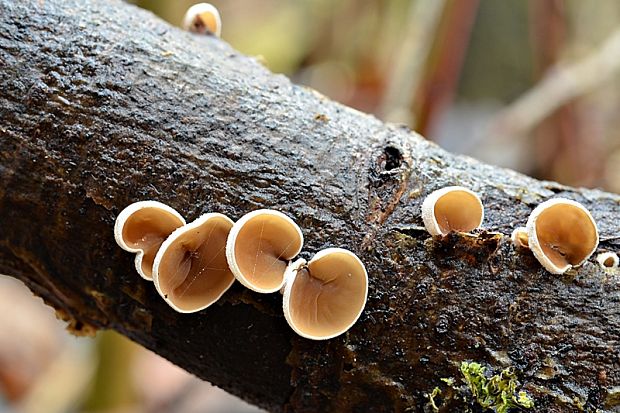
(102, 104)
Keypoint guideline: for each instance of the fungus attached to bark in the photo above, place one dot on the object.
(452, 209)
(141, 228)
(203, 18)
(519, 237)
(608, 259)
(190, 270)
(324, 298)
(561, 234)
(259, 248)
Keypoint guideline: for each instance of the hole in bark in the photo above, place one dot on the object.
(393, 158)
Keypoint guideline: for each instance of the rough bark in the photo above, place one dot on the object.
(102, 104)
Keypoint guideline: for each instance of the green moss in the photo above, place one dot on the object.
(498, 392)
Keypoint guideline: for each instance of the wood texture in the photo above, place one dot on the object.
(102, 104)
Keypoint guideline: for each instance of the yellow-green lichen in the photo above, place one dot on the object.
(498, 392)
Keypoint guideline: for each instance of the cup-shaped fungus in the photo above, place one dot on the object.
(608, 260)
(141, 228)
(190, 270)
(452, 209)
(324, 298)
(259, 248)
(561, 234)
(203, 18)
(519, 237)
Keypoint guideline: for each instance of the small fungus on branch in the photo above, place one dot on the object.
(561, 234)
(608, 259)
(190, 270)
(203, 18)
(452, 209)
(141, 228)
(259, 248)
(324, 298)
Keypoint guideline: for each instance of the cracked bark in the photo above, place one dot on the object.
(102, 104)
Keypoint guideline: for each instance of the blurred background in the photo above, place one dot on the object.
(530, 85)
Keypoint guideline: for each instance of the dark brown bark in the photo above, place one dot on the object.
(103, 104)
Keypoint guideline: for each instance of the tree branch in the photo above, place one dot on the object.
(559, 86)
(103, 104)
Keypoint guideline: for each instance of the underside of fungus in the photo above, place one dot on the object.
(190, 270)
(324, 298)
(203, 18)
(452, 209)
(561, 234)
(141, 228)
(259, 248)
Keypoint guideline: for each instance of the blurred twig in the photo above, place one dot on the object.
(444, 65)
(111, 387)
(561, 85)
(62, 384)
(411, 57)
(559, 138)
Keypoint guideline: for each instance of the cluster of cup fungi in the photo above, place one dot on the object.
(193, 265)
(561, 233)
